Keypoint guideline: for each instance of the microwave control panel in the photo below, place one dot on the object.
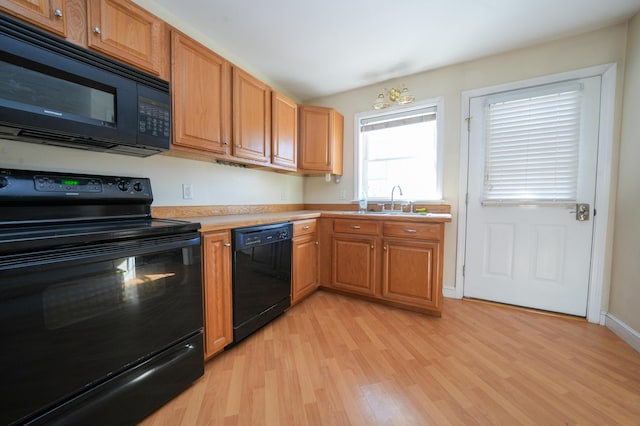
(154, 118)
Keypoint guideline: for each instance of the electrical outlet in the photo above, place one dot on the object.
(187, 191)
(343, 194)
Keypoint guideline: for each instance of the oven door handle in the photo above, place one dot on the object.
(96, 252)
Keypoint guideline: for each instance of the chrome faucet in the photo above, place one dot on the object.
(392, 191)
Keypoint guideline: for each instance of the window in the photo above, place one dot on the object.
(402, 147)
(532, 148)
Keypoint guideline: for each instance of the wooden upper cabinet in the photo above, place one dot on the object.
(201, 95)
(50, 15)
(321, 138)
(251, 118)
(127, 32)
(284, 132)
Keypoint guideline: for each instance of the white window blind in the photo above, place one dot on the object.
(532, 149)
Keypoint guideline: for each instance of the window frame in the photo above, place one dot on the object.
(358, 144)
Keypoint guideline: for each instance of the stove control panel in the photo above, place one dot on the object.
(64, 184)
(53, 185)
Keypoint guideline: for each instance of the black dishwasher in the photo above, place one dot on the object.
(261, 276)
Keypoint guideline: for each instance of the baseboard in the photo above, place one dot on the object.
(450, 292)
(626, 333)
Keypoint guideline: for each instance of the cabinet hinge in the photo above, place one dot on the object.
(466, 199)
(468, 119)
(464, 268)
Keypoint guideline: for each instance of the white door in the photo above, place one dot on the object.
(532, 159)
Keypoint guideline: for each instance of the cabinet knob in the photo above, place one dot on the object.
(96, 30)
(384, 248)
(316, 243)
(225, 143)
(238, 145)
(57, 13)
(227, 244)
(306, 227)
(373, 246)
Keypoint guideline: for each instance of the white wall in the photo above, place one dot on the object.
(213, 184)
(625, 279)
(594, 48)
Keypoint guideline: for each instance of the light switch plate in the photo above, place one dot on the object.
(187, 191)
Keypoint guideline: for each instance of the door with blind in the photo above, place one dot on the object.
(531, 191)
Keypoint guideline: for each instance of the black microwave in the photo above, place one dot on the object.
(58, 93)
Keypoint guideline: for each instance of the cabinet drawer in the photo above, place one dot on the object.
(303, 227)
(370, 227)
(423, 231)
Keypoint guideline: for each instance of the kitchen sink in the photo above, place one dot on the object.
(399, 213)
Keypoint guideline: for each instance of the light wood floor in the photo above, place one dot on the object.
(335, 360)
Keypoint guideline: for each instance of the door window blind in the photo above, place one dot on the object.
(532, 149)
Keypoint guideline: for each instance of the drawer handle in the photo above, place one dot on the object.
(306, 227)
(227, 244)
(411, 231)
(58, 13)
(355, 226)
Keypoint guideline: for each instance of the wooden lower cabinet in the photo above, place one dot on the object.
(218, 316)
(411, 272)
(354, 263)
(394, 262)
(305, 260)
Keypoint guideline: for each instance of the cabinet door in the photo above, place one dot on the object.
(316, 127)
(218, 319)
(354, 263)
(411, 273)
(251, 118)
(284, 132)
(201, 94)
(321, 139)
(305, 266)
(47, 14)
(127, 32)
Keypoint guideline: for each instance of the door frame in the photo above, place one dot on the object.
(599, 263)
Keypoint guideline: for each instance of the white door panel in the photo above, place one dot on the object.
(531, 255)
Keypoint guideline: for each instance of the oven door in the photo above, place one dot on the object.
(74, 317)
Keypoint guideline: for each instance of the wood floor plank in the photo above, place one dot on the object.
(335, 360)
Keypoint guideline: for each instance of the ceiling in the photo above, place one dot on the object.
(318, 48)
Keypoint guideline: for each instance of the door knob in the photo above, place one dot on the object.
(581, 211)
